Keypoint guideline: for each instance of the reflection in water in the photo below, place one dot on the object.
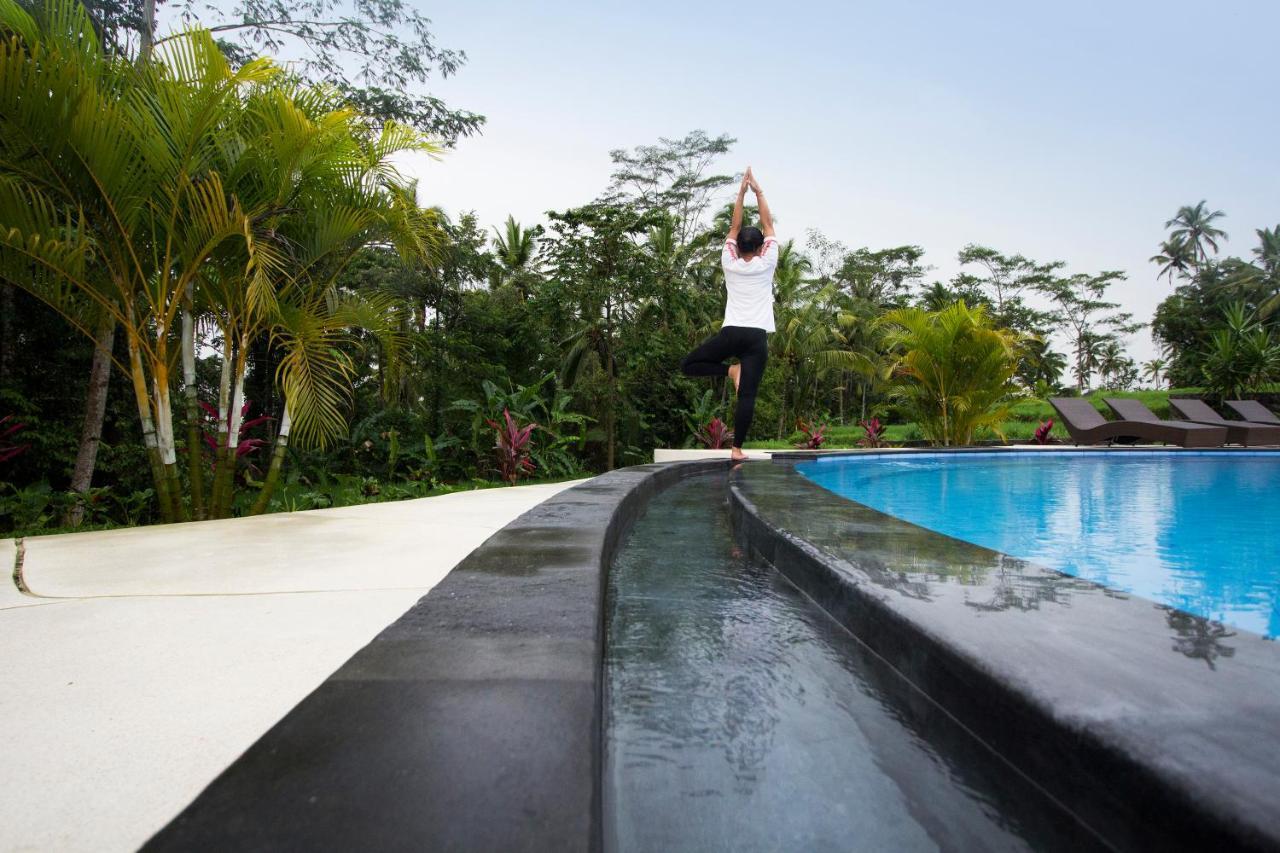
(1198, 637)
(1014, 585)
(1189, 531)
(739, 717)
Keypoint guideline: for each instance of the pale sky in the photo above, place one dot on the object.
(1068, 131)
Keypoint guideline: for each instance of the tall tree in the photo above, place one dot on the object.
(515, 249)
(1006, 282)
(181, 185)
(1088, 319)
(1176, 255)
(673, 176)
(1153, 370)
(379, 54)
(598, 272)
(1193, 224)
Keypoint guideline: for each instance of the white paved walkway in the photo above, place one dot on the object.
(144, 661)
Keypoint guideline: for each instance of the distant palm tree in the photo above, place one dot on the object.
(1268, 249)
(1194, 226)
(1154, 370)
(937, 296)
(1176, 256)
(515, 252)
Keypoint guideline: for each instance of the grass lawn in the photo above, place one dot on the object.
(1025, 416)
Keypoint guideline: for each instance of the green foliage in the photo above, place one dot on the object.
(1241, 357)
(416, 328)
(952, 371)
(38, 508)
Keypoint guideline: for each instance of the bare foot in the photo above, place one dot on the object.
(737, 455)
(735, 373)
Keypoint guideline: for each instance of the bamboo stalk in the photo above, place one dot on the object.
(228, 459)
(143, 401)
(224, 417)
(195, 456)
(277, 463)
(163, 408)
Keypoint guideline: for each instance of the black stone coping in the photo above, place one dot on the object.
(471, 723)
(1158, 729)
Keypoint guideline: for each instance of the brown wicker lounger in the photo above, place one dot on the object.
(1254, 412)
(1238, 432)
(1135, 411)
(1087, 426)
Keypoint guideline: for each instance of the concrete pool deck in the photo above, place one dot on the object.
(142, 662)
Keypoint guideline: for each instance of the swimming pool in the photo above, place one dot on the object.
(1194, 531)
(739, 716)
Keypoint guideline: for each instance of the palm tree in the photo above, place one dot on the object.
(514, 247)
(1194, 226)
(1268, 249)
(180, 188)
(1176, 256)
(108, 192)
(1111, 359)
(952, 371)
(1154, 371)
(937, 296)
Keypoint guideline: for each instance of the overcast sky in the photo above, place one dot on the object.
(1066, 131)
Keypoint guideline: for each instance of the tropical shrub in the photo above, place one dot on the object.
(705, 408)
(7, 450)
(813, 434)
(952, 371)
(1240, 357)
(246, 445)
(512, 447)
(1041, 435)
(39, 507)
(873, 433)
(715, 435)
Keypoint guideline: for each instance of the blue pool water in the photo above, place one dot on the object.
(1199, 532)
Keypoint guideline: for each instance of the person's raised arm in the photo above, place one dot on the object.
(766, 218)
(736, 224)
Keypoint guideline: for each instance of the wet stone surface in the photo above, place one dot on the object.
(738, 716)
(471, 723)
(1085, 688)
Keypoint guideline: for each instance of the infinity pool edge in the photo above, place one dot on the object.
(473, 722)
(1083, 689)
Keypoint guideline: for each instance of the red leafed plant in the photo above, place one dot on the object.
(1042, 432)
(8, 451)
(513, 447)
(716, 435)
(872, 433)
(814, 434)
(245, 445)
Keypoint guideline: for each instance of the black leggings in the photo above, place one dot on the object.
(751, 346)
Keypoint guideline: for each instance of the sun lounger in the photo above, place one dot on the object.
(1198, 435)
(1254, 412)
(1086, 425)
(1238, 432)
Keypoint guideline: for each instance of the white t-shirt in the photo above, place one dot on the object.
(750, 285)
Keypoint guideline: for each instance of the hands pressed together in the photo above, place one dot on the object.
(749, 182)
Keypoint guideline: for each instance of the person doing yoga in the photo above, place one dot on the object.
(749, 258)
